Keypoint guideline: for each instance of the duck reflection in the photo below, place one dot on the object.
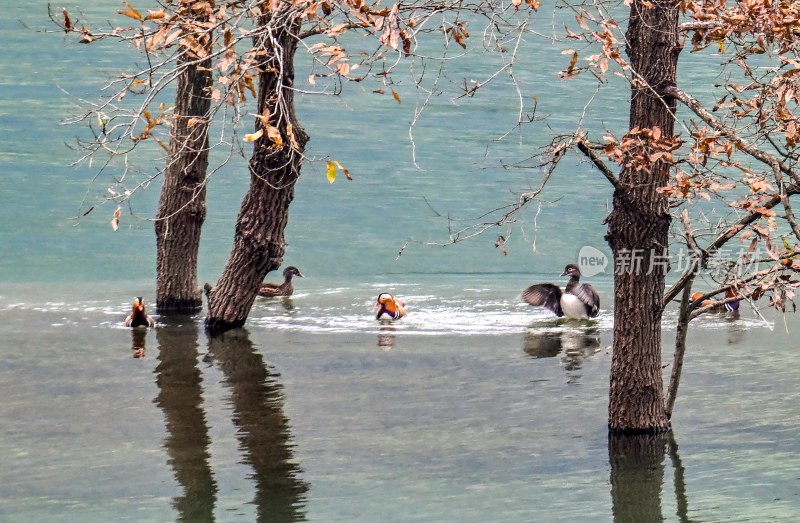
(263, 429)
(386, 337)
(287, 304)
(637, 477)
(137, 343)
(576, 344)
(736, 329)
(180, 397)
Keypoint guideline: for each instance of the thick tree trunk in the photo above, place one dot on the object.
(638, 230)
(182, 207)
(259, 244)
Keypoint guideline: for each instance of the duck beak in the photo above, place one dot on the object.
(299, 274)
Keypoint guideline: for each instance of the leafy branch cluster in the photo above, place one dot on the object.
(222, 37)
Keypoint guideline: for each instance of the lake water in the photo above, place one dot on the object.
(473, 408)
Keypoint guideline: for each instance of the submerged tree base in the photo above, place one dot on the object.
(179, 306)
(646, 431)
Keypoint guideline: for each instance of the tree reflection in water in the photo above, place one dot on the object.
(263, 429)
(180, 397)
(637, 477)
(256, 400)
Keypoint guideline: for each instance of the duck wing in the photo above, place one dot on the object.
(589, 297)
(544, 295)
(270, 289)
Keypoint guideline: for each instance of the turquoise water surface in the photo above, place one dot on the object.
(473, 408)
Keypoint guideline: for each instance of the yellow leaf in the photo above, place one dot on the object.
(290, 134)
(344, 171)
(396, 96)
(155, 15)
(264, 116)
(275, 135)
(331, 172)
(130, 12)
(254, 136)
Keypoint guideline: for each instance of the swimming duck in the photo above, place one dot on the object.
(389, 307)
(577, 301)
(732, 306)
(285, 288)
(138, 316)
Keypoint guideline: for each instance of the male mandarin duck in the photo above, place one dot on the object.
(285, 288)
(389, 307)
(576, 301)
(138, 316)
(732, 306)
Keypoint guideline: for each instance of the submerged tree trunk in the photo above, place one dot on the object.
(259, 244)
(182, 207)
(638, 230)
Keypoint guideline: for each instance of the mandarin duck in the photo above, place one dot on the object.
(138, 316)
(285, 288)
(732, 306)
(576, 301)
(389, 307)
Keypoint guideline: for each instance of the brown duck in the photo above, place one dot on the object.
(285, 288)
(138, 316)
(576, 301)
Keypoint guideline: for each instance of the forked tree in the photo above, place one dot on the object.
(676, 159)
(224, 54)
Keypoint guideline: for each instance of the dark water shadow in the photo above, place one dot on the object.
(576, 344)
(263, 428)
(180, 397)
(638, 468)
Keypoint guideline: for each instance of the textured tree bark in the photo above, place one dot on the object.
(259, 244)
(182, 206)
(638, 230)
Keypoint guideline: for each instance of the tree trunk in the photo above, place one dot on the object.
(638, 230)
(259, 244)
(182, 207)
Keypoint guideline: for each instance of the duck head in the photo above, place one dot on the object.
(138, 305)
(571, 270)
(290, 271)
(384, 298)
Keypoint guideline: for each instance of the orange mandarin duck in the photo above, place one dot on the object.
(138, 316)
(724, 307)
(389, 307)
